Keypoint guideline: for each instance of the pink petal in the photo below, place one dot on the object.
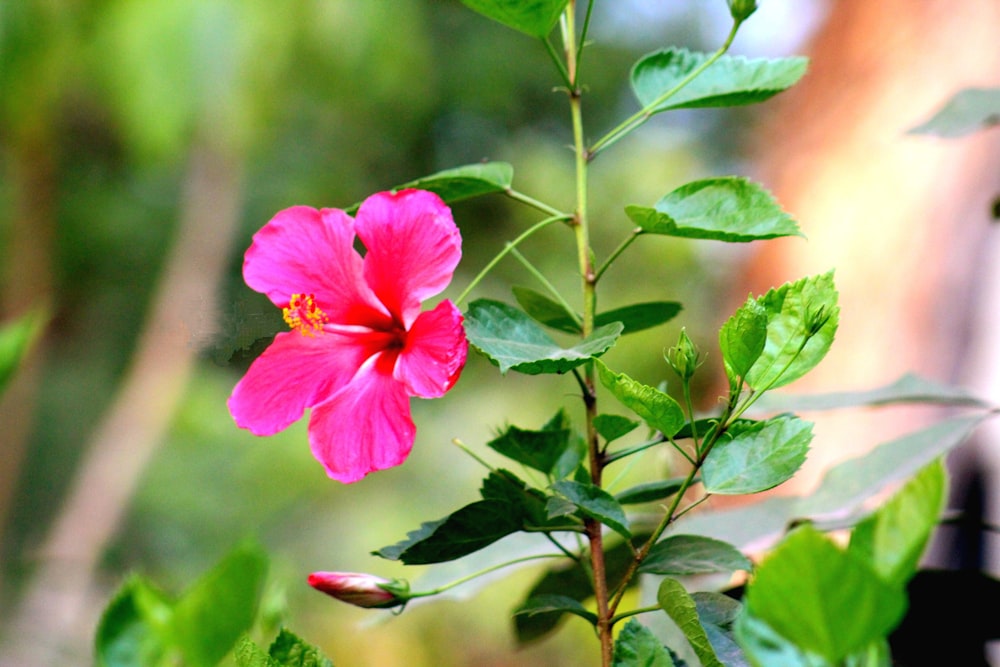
(305, 251)
(294, 373)
(435, 352)
(364, 427)
(413, 248)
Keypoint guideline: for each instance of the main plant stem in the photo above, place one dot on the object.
(588, 282)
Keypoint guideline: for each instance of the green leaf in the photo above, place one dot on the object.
(287, 650)
(529, 505)
(730, 209)
(636, 317)
(909, 388)
(640, 316)
(730, 81)
(540, 450)
(549, 312)
(894, 537)
(548, 603)
(220, 607)
(693, 554)
(802, 319)
(596, 503)
(841, 605)
(654, 407)
(717, 613)
(676, 601)
(452, 185)
(844, 491)
(970, 110)
(637, 646)
(757, 457)
(742, 339)
(533, 17)
(463, 532)
(512, 340)
(134, 628)
(612, 427)
(649, 492)
(16, 339)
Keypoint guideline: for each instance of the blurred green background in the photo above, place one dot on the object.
(142, 143)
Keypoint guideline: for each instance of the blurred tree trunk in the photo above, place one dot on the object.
(903, 219)
(56, 616)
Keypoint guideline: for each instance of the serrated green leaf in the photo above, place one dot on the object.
(730, 81)
(548, 603)
(742, 339)
(678, 555)
(465, 182)
(680, 607)
(16, 339)
(289, 650)
(756, 457)
(596, 503)
(970, 110)
(841, 604)
(248, 654)
(730, 209)
(612, 427)
(220, 607)
(909, 388)
(649, 492)
(532, 17)
(540, 449)
(793, 348)
(654, 407)
(894, 537)
(637, 646)
(512, 340)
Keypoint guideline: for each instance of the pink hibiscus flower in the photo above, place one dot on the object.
(360, 346)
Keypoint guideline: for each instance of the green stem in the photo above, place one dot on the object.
(641, 116)
(474, 575)
(551, 50)
(617, 251)
(634, 612)
(561, 217)
(534, 203)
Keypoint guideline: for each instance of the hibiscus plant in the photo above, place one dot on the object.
(757, 584)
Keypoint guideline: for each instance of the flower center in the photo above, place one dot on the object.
(303, 314)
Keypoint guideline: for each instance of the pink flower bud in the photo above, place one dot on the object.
(362, 590)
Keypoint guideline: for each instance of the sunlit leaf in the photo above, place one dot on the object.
(512, 340)
(769, 649)
(287, 650)
(894, 537)
(721, 209)
(677, 602)
(970, 110)
(802, 319)
(656, 408)
(742, 338)
(596, 503)
(134, 628)
(637, 646)
(730, 81)
(756, 457)
(533, 17)
(693, 554)
(841, 605)
(220, 607)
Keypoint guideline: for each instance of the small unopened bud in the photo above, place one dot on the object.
(361, 590)
(742, 9)
(683, 357)
(816, 319)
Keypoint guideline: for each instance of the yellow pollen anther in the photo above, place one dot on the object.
(303, 314)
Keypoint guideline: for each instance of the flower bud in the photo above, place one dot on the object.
(361, 590)
(683, 357)
(742, 9)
